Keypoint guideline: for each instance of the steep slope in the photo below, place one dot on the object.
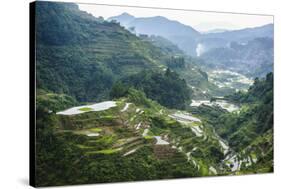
(109, 145)
(166, 46)
(249, 131)
(82, 56)
(133, 138)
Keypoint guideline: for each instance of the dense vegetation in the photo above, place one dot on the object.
(166, 88)
(255, 118)
(68, 62)
(65, 155)
(52, 102)
(251, 129)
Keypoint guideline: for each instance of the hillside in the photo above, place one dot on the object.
(188, 68)
(72, 44)
(138, 132)
(255, 129)
(112, 53)
(164, 143)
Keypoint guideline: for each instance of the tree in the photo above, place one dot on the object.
(119, 90)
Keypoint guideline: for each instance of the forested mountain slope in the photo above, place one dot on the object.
(82, 56)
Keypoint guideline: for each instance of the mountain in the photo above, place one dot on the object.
(157, 25)
(253, 58)
(187, 38)
(243, 35)
(182, 35)
(222, 39)
(248, 51)
(124, 18)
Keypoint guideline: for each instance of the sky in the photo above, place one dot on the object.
(201, 21)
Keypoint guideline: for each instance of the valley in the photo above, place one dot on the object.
(230, 79)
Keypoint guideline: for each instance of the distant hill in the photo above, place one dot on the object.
(186, 37)
(254, 58)
(182, 35)
(124, 18)
(222, 39)
(243, 34)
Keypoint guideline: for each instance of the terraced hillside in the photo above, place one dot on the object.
(100, 53)
(116, 141)
(204, 84)
(132, 138)
(73, 44)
